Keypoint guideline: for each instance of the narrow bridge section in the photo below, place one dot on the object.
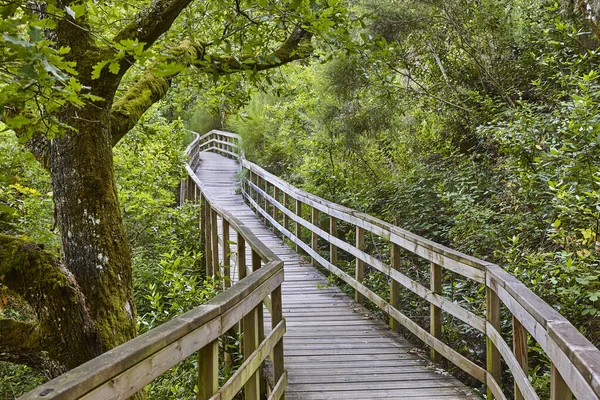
(334, 348)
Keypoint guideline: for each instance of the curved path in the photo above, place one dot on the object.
(334, 348)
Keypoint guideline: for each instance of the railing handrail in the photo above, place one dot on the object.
(575, 361)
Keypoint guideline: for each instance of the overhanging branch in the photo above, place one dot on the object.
(151, 87)
(152, 21)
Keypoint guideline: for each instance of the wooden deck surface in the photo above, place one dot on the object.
(334, 348)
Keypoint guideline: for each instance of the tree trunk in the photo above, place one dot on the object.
(94, 244)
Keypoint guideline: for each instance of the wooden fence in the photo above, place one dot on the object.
(575, 369)
(127, 369)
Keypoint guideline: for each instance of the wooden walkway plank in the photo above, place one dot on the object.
(334, 348)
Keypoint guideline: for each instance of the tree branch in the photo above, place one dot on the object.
(153, 21)
(62, 321)
(151, 87)
(22, 343)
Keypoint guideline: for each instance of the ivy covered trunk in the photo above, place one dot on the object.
(95, 248)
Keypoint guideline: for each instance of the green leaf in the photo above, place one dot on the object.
(97, 69)
(114, 67)
(17, 41)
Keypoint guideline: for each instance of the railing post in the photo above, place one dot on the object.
(208, 370)
(520, 351)
(202, 226)
(226, 255)
(332, 247)
(360, 266)
(214, 233)
(435, 283)
(298, 226)
(264, 186)
(395, 286)
(275, 209)
(286, 218)
(314, 244)
(558, 387)
(190, 189)
(260, 321)
(249, 344)
(208, 239)
(256, 263)
(241, 257)
(493, 360)
(276, 318)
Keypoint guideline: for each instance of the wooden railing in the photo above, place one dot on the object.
(575, 368)
(127, 369)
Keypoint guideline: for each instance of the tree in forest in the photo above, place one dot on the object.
(77, 75)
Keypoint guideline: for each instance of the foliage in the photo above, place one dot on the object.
(25, 194)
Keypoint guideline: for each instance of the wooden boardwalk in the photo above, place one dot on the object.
(334, 348)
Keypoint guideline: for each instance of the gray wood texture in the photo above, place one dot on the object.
(333, 347)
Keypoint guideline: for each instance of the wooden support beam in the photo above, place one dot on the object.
(260, 331)
(214, 233)
(226, 254)
(208, 370)
(249, 344)
(202, 228)
(298, 232)
(395, 286)
(241, 257)
(276, 318)
(275, 209)
(360, 266)
(558, 387)
(493, 358)
(208, 240)
(435, 282)
(314, 238)
(286, 218)
(332, 248)
(520, 351)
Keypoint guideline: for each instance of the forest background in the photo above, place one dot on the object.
(472, 123)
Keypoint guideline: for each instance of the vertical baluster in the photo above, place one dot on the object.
(202, 226)
(558, 387)
(208, 239)
(275, 209)
(214, 231)
(395, 286)
(190, 189)
(260, 321)
(249, 344)
(182, 192)
(250, 180)
(256, 263)
(360, 266)
(333, 232)
(241, 257)
(264, 186)
(208, 370)
(493, 360)
(298, 226)
(520, 351)
(314, 244)
(435, 283)
(276, 317)
(286, 218)
(226, 254)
